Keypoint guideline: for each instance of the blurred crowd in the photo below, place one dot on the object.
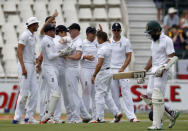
(176, 27)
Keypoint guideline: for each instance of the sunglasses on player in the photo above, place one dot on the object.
(116, 30)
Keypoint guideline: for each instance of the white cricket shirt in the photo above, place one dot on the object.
(105, 52)
(160, 50)
(119, 50)
(89, 48)
(29, 41)
(76, 45)
(49, 52)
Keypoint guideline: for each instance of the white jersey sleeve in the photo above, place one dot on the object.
(23, 39)
(100, 53)
(169, 46)
(79, 46)
(128, 46)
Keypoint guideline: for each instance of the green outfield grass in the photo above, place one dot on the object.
(181, 125)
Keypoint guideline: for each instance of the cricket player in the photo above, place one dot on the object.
(61, 31)
(72, 74)
(27, 74)
(50, 72)
(102, 78)
(121, 57)
(88, 63)
(162, 50)
(43, 89)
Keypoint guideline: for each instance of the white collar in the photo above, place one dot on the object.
(77, 37)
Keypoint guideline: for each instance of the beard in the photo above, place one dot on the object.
(155, 37)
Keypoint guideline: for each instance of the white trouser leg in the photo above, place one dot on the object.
(150, 86)
(88, 89)
(62, 84)
(25, 90)
(127, 99)
(72, 78)
(58, 110)
(128, 104)
(103, 82)
(43, 92)
(32, 98)
(51, 77)
(115, 93)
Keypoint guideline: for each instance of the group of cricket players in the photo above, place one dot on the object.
(66, 60)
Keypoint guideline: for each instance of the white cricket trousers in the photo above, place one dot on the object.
(27, 99)
(103, 96)
(62, 84)
(76, 104)
(128, 104)
(51, 77)
(44, 99)
(160, 83)
(88, 90)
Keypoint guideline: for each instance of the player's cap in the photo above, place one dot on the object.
(61, 28)
(74, 26)
(49, 27)
(116, 26)
(153, 26)
(31, 21)
(91, 30)
(172, 10)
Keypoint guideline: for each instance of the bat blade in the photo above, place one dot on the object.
(128, 75)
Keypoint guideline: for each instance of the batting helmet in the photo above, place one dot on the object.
(153, 26)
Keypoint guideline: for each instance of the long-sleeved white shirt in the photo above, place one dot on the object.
(49, 52)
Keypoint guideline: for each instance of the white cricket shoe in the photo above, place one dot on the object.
(154, 128)
(58, 121)
(33, 121)
(134, 120)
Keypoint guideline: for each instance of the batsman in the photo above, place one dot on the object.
(162, 54)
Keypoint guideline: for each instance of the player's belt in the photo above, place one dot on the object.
(107, 68)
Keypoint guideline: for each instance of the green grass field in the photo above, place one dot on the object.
(181, 125)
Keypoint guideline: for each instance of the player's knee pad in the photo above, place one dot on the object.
(157, 96)
(56, 94)
(158, 107)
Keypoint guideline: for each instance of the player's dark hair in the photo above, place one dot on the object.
(102, 35)
(47, 18)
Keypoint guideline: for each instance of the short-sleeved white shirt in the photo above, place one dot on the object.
(105, 52)
(119, 50)
(89, 48)
(49, 52)
(58, 47)
(160, 50)
(29, 41)
(76, 45)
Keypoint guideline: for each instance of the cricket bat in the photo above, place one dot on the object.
(141, 74)
(131, 74)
